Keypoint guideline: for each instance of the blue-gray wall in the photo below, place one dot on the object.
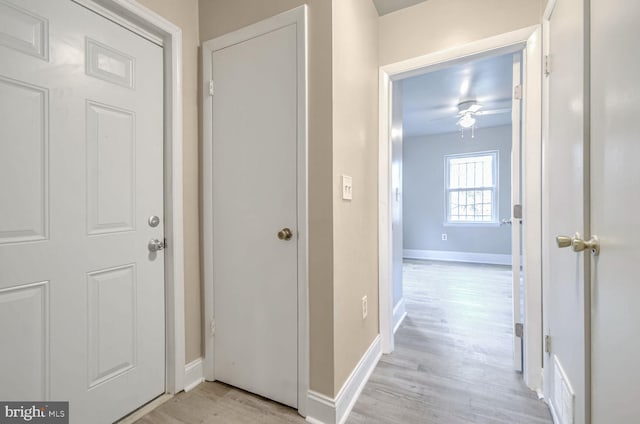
(423, 193)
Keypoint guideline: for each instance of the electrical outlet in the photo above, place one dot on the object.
(365, 307)
(444, 237)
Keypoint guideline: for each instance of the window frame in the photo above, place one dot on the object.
(495, 188)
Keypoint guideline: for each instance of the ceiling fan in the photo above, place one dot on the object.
(468, 110)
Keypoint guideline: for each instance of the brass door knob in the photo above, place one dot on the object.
(285, 234)
(578, 244)
(563, 241)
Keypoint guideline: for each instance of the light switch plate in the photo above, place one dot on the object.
(347, 187)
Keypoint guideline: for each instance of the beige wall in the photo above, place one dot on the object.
(218, 17)
(185, 15)
(440, 24)
(355, 153)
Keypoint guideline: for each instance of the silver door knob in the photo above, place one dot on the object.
(155, 245)
(578, 244)
(505, 221)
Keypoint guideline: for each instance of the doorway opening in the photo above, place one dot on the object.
(486, 133)
(456, 184)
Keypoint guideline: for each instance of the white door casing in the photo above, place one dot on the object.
(91, 93)
(529, 40)
(565, 212)
(615, 175)
(255, 186)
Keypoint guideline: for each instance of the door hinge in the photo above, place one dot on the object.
(517, 211)
(547, 65)
(519, 329)
(165, 244)
(212, 327)
(211, 87)
(547, 343)
(517, 92)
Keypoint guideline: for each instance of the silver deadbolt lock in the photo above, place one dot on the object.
(154, 221)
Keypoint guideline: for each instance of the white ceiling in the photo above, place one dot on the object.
(430, 101)
(388, 6)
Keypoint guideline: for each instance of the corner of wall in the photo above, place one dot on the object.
(355, 153)
(321, 240)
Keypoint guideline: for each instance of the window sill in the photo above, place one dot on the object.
(472, 224)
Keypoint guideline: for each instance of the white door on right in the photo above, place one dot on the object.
(615, 180)
(566, 295)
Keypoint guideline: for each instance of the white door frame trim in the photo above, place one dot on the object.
(150, 25)
(298, 17)
(528, 39)
(546, 251)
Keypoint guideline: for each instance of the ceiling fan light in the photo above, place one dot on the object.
(467, 121)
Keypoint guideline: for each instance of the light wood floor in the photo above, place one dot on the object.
(217, 403)
(452, 363)
(452, 358)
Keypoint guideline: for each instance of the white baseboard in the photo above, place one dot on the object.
(444, 255)
(322, 409)
(399, 314)
(193, 374)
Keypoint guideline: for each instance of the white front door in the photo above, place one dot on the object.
(81, 171)
(615, 179)
(255, 228)
(566, 295)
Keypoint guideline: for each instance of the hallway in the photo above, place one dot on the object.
(452, 363)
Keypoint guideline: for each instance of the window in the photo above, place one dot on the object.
(471, 186)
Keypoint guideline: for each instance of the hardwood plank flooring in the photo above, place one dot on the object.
(453, 357)
(452, 363)
(218, 403)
